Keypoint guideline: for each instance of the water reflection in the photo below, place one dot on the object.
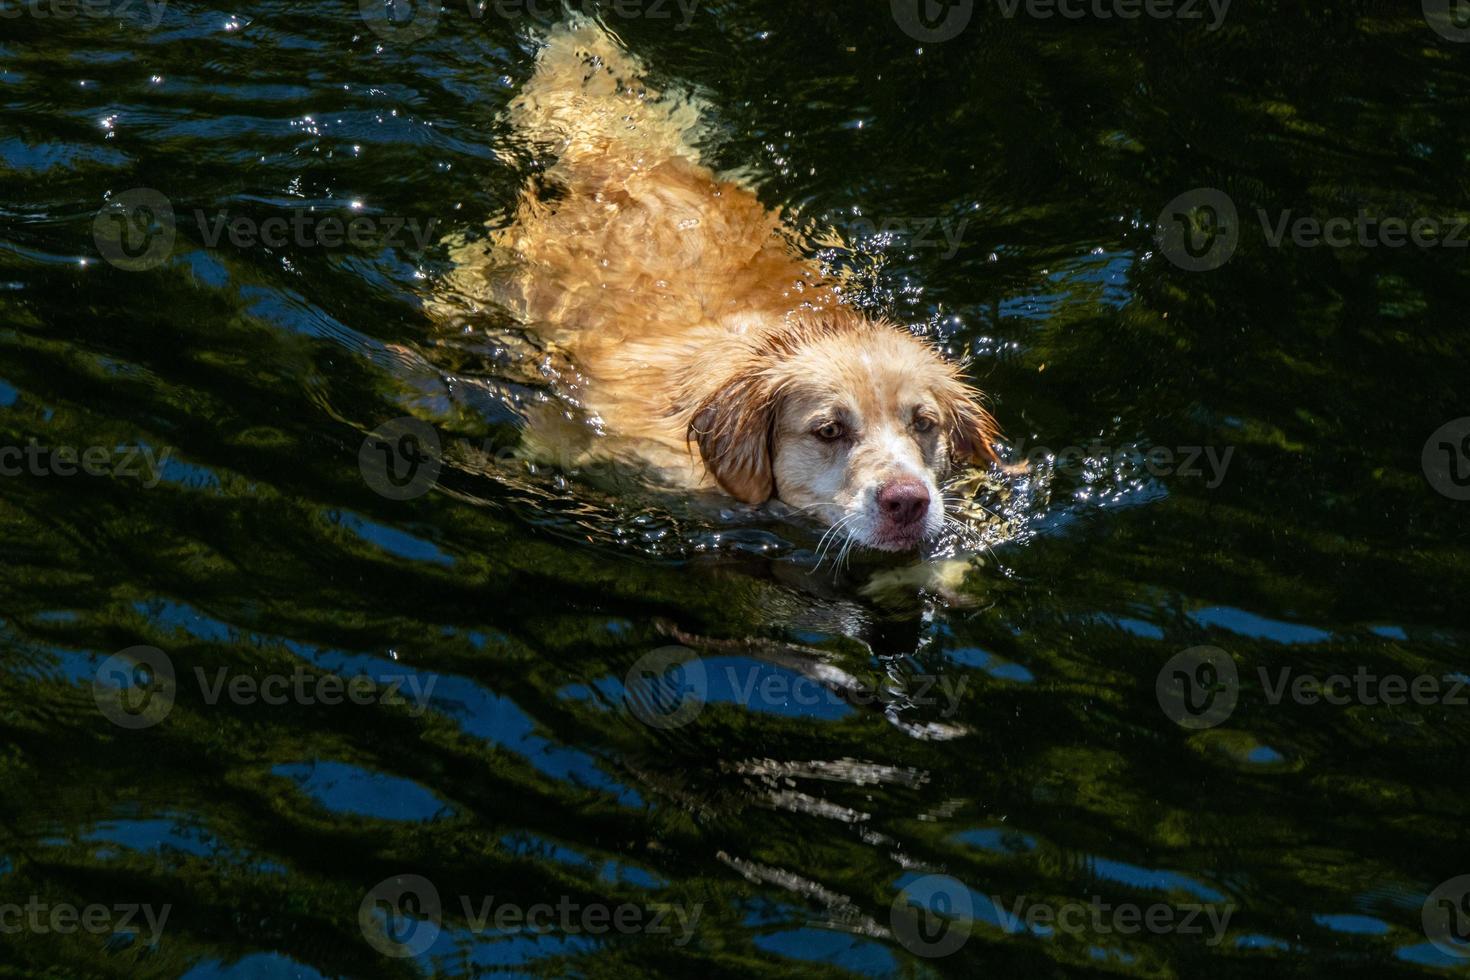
(988, 714)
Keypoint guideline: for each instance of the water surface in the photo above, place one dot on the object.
(862, 731)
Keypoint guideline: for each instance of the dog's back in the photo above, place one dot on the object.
(629, 237)
(630, 255)
(588, 98)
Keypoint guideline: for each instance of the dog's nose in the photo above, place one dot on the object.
(904, 501)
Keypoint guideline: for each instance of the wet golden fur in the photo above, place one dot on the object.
(700, 335)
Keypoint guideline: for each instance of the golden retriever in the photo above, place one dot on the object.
(699, 333)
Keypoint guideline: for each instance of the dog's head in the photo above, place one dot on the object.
(853, 424)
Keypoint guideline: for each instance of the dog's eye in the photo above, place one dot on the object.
(830, 432)
(923, 424)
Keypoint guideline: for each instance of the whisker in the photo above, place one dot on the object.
(845, 552)
(830, 538)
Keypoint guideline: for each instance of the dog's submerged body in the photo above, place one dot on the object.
(695, 324)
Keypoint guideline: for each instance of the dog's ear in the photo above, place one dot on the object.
(733, 429)
(973, 432)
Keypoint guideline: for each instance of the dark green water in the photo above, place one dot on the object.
(1016, 744)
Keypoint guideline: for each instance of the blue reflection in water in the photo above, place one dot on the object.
(1427, 954)
(999, 840)
(612, 872)
(1357, 925)
(179, 615)
(844, 951)
(391, 540)
(1150, 880)
(1258, 627)
(260, 966)
(996, 667)
(344, 788)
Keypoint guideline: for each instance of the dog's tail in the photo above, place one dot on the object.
(589, 96)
